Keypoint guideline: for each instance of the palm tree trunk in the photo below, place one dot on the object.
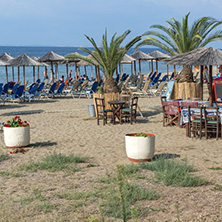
(186, 74)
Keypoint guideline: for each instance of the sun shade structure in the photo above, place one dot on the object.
(53, 58)
(4, 57)
(158, 56)
(43, 64)
(200, 57)
(141, 56)
(24, 60)
(127, 59)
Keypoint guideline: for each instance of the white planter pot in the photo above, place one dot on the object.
(16, 137)
(140, 148)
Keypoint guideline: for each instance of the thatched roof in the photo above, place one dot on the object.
(37, 59)
(5, 57)
(127, 59)
(139, 55)
(157, 55)
(201, 56)
(52, 57)
(2, 63)
(85, 63)
(24, 60)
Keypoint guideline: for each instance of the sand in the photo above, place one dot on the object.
(63, 125)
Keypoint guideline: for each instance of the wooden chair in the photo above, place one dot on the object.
(131, 111)
(212, 121)
(101, 111)
(196, 121)
(171, 112)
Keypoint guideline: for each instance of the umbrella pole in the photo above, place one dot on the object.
(13, 74)
(18, 73)
(131, 68)
(135, 67)
(119, 72)
(156, 67)
(6, 71)
(76, 70)
(91, 72)
(167, 72)
(174, 70)
(33, 73)
(85, 70)
(140, 67)
(24, 75)
(67, 69)
(38, 72)
(201, 83)
(149, 66)
(210, 86)
(152, 65)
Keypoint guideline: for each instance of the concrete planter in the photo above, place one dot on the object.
(16, 137)
(139, 148)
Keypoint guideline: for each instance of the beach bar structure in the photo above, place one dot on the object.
(200, 57)
(23, 60)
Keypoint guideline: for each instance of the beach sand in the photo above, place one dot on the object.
(62, 125)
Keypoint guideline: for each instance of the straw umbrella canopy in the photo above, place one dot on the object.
(127, 59)
(72, 62)
(6, 58)
(141, 56)
(158, 56)
(200, 57)
(24, 60)
(85, 63)
(43, 64)
(53, 58)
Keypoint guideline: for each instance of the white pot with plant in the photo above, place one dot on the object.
(140, 146)
(16, 133)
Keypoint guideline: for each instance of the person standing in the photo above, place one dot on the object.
(52, 76)
(46, 76)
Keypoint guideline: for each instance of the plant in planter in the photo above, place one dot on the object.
(16, 133)
(107, 57)
(140, 146)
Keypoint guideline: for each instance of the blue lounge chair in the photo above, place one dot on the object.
(14, 88)
(60, 89)
(40, 87)
(164, 78)
(17, 96)
(49, 93)
(31, 93)
(5, 89)
(89, 93)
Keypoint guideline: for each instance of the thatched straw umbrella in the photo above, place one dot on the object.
(158, 56)
(72, 62)
(53, 58)
(200, 57)
(85, 63)
(127, 59)
(24, 60)
(6, 58)
(141, 56)
(43, 64)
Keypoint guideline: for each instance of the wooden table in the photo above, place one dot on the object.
(116, 106)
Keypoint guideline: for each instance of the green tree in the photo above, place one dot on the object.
(179, 38)
(108, 56)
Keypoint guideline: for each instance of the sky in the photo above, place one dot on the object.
(65, 22)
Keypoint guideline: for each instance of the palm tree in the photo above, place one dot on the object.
(179, 38)
(108, 56)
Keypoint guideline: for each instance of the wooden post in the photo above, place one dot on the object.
(33, 73)
(135, 67)
(201, 83)
(13, 74)
(210, 86)
(76, 71)
(24, 75)
(139, 67)
(6, 70)
(152, 65)
(38, 72)
(167, 71)
(156, 67)
(131, 68)
(18, 74)
(149, 66)
(174, 70)
(91, 72)
(67, 69)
